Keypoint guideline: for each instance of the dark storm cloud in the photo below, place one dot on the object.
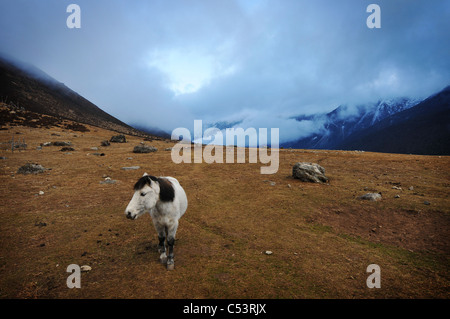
(166, 63)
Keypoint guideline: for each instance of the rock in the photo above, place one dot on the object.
(94, 148)
(118, 139)
(67, 149)
(31, 169)
(41, 193)
(105, 143)
(108, 181)
(268, 252)
(309, 172)
(85, 268)
(426, 203)
(40, 224)
(130, 168)
(397, 196)
(144, 149)
(47, 144)
(98, 154)
(371, 196)
(397, 188)
(61, 143)
(411, 188)
(168, 149)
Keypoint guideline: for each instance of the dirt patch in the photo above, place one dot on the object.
(415, 230)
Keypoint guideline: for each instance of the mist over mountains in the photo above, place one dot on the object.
(399, 125)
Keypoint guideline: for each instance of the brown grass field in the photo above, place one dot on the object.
(321, 235)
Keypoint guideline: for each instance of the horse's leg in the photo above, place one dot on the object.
(171, 232)
(162, 242)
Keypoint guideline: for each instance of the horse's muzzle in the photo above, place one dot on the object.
(130, 216)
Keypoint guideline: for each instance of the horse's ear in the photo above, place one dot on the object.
(145, 174)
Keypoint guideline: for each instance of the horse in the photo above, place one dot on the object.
(166, 201)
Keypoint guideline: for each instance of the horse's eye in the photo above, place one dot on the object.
(142, 194)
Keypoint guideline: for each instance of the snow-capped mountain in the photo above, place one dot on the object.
(346, 120)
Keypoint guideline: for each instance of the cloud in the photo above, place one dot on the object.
(166, 63)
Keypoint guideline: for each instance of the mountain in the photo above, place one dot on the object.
(30, 88)
(341, 123)
(423, 129)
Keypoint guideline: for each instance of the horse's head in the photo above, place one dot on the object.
(148, 190)
(145, 197)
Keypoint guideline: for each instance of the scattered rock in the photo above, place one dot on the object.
(309, 172)
(94, 148)
(85, 268)
(144, 149)
(397, 196)
(40, 224)
(371, 196)
(108, 181)
(41, 193)
(168, 149)
(98, 154)
(411, 188)
(289, 185)
(47, 144)
(118, 139)
(130, 168)
(3, 157)
(426, 203)
(397, 188)
(30, 169)
(61, 143)
(105, 143)
(67, 149)
(268, 252)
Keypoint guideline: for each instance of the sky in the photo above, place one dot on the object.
(164, 64)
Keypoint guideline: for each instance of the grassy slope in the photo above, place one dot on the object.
(322, 236)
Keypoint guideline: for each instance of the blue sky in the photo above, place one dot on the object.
(165, 63)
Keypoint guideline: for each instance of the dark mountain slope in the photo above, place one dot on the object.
(422, 129)
(32, 89)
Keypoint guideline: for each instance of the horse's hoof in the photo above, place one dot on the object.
(163, 258)
(170, 266)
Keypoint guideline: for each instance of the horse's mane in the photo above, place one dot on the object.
(166, 193)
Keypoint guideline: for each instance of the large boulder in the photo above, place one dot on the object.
(31, 169)
(144, 149)
(309, 172)
(118, 139)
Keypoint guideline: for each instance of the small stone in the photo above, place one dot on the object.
(371, 197)
(85, 268)
(268, 252)
(426, 202)
(41, 193)
(130, 168)
(411, 188)
(397, 196)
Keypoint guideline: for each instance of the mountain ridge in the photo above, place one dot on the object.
(30, 88)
